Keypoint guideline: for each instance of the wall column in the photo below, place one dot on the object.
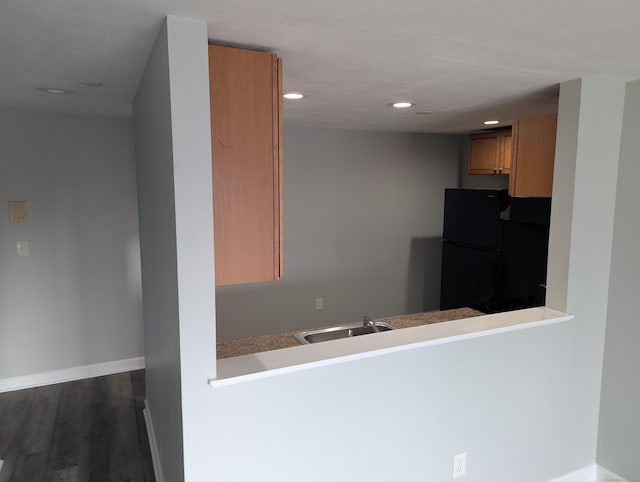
(619, 430)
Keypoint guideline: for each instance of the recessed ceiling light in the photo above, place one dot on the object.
(293, 95)
(491, 122)
(402, 104)
(55, 90)
(92, 83)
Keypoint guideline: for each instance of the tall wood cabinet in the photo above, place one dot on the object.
(534, 147)
(246, 152)
(490, 152)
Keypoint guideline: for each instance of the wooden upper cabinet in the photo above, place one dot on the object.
(246, 152)
(534, 153)
(490, 152)
(507, 151)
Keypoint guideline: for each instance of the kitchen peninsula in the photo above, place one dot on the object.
(246, 346)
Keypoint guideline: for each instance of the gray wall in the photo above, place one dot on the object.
(75, 300)
(362, 229)
(173, 162)
(619, 434)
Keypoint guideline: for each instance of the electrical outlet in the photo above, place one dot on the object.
(319, 303)
(460, 465)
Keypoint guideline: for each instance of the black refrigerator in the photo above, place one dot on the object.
(471, 246)
(494, 250)
(523, 257)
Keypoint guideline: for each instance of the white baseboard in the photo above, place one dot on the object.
(592, 473)
(586, 474)
(151, 435)
(70, 374)
(605, 475)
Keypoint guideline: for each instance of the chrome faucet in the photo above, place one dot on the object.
(368, 322)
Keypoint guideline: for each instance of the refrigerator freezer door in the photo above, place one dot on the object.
(523, 260)
(468, 276)
(472, 216)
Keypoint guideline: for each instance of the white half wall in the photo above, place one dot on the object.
(506, 400)
(75, 300)
(363, 218)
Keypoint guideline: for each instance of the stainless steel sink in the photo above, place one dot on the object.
(337, 332)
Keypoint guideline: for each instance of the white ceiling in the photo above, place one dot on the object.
(465, 61)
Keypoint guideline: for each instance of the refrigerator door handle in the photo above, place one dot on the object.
(471, 246)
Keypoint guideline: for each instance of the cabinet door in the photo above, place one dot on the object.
(484, 153)
(507, 151)
(246, 163)
(534, 152)
(490, 152)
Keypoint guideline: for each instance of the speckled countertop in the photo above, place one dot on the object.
(246, 346)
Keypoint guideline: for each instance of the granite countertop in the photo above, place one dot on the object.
(246, 346)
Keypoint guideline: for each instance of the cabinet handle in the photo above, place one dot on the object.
(500, 170)
(494, 170)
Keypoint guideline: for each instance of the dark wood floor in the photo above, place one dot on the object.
(85, 431)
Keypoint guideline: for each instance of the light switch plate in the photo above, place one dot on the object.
(18, 212)
(23, 248)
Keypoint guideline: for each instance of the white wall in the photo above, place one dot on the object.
(563, 193)
(75, 299)
(156, 206)
(524, 405)
(585, 233)
(173, 162)
(619, 433)
(362, 229)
